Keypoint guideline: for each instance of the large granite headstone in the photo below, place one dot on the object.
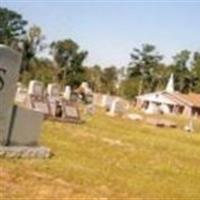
(19, 127)
(9, 72)
(25, 127)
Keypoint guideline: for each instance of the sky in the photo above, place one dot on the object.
(109, 30)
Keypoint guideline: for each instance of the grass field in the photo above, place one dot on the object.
(107, 158)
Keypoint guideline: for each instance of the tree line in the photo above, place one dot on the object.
(146, 71)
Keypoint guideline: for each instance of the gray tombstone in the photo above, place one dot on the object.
(18, 126)
(117, 107)
(9, 71)
(71, 112)
(25, 127)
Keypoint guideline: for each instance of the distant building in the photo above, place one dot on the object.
(170, 102)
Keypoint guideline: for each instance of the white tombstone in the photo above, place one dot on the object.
(117, 107)
(36, 88)
(53, 91)
(9, 72)
(106, 101)
(67, 92)
(36, 99)
(21, 94)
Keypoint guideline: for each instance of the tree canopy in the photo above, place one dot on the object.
(69, 59)
(146, 71)
(12, 26)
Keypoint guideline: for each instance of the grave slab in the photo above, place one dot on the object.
(25, 127)
(9, 73)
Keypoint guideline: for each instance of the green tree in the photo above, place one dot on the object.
(181, 70)
(12, 27)
(129, 88)
(196, 72)
(93, 77)
(109, 79)
(40, 69)
(70, 60)
(143, 67)
(32, 44)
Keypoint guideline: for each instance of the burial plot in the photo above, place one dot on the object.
(71, 112)
(117, 108)
(36, 99)
(21, 94)
(19, 128)
(36, 89)
(9, 70)
(53, 92)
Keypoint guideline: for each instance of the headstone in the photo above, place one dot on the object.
(25, 127)
(106, 101)
(18, 126)
(117, 108)
(21, 94)
(9, 72)
(53, 91)
(70, 112)
(40, 106)
(67, 92)
(36, 89)
(36, 99)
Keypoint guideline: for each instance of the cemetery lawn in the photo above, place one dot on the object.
(107, 158)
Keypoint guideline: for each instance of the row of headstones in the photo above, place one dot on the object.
(114, 105)
(50, 102)
(37, 89)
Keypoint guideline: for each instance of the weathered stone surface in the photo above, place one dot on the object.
(36, 88)
(9, 72)
(67, 93)
(25, 127)
(53, 91)
(25, 152)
